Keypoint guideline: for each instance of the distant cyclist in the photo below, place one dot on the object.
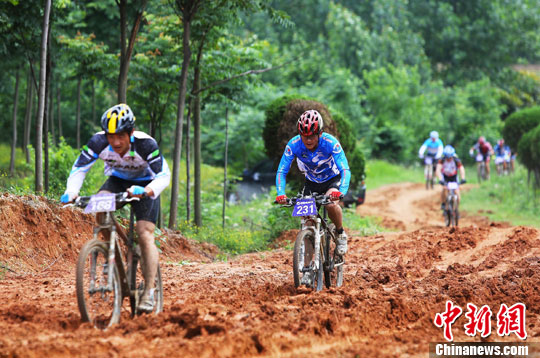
(503, 155)
(433, 145)
(484, 152)
(447, 171)
(321, 158)
(133, 163)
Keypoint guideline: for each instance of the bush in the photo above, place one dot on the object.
(280, 126)
(273, 117)
(518, 124)
(529, 153)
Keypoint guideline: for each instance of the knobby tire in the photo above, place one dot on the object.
(304, 241)
(100, 308)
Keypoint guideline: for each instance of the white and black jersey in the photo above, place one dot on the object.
(142, 163)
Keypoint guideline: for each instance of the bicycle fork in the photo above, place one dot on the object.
(315, 263)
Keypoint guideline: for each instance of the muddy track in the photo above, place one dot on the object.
(395, 283)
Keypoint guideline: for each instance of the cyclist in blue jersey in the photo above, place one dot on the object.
(133, 163)
(321, 158)
(433, 145)
(503, 155)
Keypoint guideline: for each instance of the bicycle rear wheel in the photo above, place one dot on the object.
(136, 284)
(98, 304)
(302, 257)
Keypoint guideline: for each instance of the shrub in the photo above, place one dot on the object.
(519, 123)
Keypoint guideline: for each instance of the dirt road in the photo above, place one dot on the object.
(395, 284)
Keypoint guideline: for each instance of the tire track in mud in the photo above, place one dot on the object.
(395, 283)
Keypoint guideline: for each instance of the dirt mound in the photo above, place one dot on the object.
(395, 284)
(36, 234)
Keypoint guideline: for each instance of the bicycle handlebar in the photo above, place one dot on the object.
(321, 199)
(120, 198)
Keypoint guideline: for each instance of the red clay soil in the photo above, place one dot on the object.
(395, 284)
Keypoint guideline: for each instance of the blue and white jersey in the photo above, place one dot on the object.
(142, 163)
(434, 148)
(502, 150)
(325, 162)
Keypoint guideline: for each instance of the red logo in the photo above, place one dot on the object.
(509, 320)
(447, 318)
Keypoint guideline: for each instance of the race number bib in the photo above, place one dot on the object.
(452, 185)
(305, 207)
(479, 157)
(100, 203)
(429, 160)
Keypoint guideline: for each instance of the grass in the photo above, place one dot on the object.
(380, 173)
(506, 198)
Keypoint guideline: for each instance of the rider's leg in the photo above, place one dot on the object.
(336, 215)
(487, 167)
(443, 197)
(334, 212)
(150, 254)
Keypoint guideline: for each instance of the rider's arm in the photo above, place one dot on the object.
(158, 166)
(439, 150)
(344, 170)
(283, 168)
(87, 158)
(438, 171)
(462, 171)
(422, 150)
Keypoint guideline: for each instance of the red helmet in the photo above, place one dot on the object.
(310, 122)
(482, 140)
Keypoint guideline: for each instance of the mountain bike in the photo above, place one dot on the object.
(481, 170)
(110, 270)
(500, 164)
(315, 255)
(451, 209)
(428, 171)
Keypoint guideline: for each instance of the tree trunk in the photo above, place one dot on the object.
(14, 124)
(78, 114)
(94, 119)
(50, 111)
(58, 112)
(188, 164)
(225, 166)
(46, 119)
(126, 49)
(28, 116)
(197, 205)
(179, 122)
(41, 98)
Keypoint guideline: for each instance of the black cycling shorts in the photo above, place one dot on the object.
(321, 188)
(145, 209)
(450, 179)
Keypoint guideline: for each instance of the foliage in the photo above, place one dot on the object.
(519, 123)
(505, 198)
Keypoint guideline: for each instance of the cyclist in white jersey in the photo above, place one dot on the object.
(133, 163)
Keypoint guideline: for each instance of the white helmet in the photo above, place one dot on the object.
(434, 135)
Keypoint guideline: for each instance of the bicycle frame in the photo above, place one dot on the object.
(109, 223)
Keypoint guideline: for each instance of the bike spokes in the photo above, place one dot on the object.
(98, 297)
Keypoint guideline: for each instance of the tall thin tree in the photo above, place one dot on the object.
(14, 124)
(225, 166)
(187, 10)
(126, 47)
(41, 99)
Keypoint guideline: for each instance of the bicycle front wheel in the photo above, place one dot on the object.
(333, 267)
(99, 303)
(137, 284)
(302, 256)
